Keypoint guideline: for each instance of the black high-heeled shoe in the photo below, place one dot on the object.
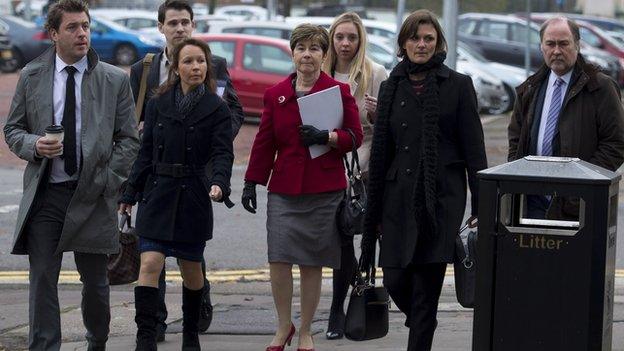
(335, 327)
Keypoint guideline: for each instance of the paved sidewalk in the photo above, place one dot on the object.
(243, 320)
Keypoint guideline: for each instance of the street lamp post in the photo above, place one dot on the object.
(450, 25)
(527, 49)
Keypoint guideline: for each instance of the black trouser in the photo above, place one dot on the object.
(416, 290)
(162, 291)
(43, 231)
(343, 277)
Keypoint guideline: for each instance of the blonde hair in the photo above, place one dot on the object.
(361, 68)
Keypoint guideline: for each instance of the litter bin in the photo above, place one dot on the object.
(545, 283)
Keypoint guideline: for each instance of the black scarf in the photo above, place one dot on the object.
(424, 196)
(186, 103)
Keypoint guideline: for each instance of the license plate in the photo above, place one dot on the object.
(7, 54)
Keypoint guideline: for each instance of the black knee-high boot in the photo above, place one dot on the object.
(191, 302)
(342, 278)
(146, 301)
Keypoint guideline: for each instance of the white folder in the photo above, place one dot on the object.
(322, 110)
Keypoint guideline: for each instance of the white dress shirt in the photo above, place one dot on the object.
(547, 100)
(57, 172)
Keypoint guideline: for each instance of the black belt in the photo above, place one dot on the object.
(177, 170)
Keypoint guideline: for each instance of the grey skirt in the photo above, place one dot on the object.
(302, 229)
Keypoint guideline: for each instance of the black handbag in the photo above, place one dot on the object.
(367, 314)
(465, 266)
(352, 209)
(123, 267)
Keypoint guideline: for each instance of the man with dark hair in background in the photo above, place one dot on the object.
(175, 21)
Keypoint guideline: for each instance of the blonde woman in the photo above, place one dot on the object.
(347, 62)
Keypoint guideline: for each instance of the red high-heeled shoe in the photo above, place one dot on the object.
(291, 333)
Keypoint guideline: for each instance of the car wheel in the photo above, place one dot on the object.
(12, 65)
(125, 55)
(505, 102)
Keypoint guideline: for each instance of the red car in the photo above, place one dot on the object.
(255, 64)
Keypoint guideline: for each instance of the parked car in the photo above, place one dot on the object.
(203, 22)
(27, 42)
(386, 30)
(381, 52)
(120, 45)
(497, 101)
(138, 20)
(243, 12)
(255, 64)
(6, 55)
(279, 30)
(500, 38)
(606, 24)
(333, 10)
(607, 62)
(36, 8)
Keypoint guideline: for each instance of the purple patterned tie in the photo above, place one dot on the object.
(552, 119)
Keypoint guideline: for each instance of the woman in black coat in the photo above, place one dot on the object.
(187, 126)
(427, 138)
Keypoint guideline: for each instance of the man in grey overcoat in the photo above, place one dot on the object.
(69, 200)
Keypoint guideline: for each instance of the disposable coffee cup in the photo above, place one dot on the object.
(55, 132)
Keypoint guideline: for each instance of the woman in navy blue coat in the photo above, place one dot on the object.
(187, 126)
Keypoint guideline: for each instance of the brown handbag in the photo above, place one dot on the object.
(123, 267)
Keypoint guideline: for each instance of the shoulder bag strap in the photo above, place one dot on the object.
(147, 63)
(355, 161)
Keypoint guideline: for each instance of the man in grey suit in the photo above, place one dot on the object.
(69, 201)
(175, 21)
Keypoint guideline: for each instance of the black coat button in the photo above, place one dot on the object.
(183, 186)
(402, 103)
(191, 129)
(160, 147)
(160, 125)
(408, 171)
(404, 125)
(189, 148)
(406, 148)
(155, 182)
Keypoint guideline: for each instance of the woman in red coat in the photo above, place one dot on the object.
(304, 192)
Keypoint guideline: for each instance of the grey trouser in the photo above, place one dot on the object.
(43, 232)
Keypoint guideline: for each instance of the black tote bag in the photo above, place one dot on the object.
(367, 314)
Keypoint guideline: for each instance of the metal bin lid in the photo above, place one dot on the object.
(551, 169)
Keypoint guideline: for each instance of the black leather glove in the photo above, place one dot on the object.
(249, 197)
(310, 135)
